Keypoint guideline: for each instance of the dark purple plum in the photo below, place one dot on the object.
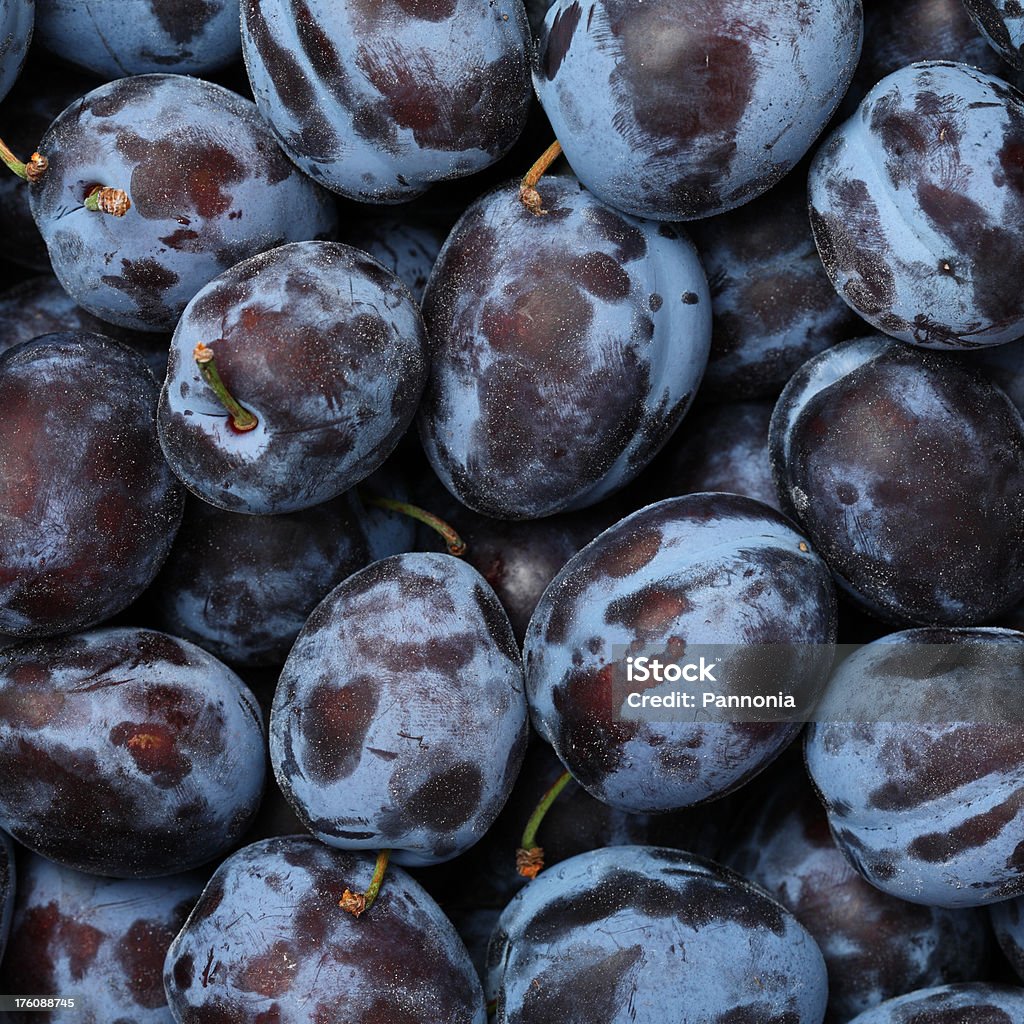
(536, 11)
(1002, 24)
(126, 752)
(1008, 925)
(706, 569)
(39, 96)
(875, 946)
(379, 99)
(207, 183)
(325, 347)
(916, 205)
(88, 507)
(388, 532)
(16, 23)
(100, 940)
(772, 303)
(975, 1003)
(722, 448)
(242, 586)
(565, 349)
(906, 469)
(918, 756)
(41, 306)
(114, 38)
(299, 959)
(407, 243)
(1005, 365)
(677, 111)
(399, 720)
(7, 889)
(645, 935)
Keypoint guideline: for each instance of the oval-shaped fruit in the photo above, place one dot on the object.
(88, 507)
(207, 183)
(644, 935)
(917, 203)
(676, 111)
(906, 469)
(114, 38)
(379, 99)
(977, 1003)
(705, 569)
(399, 720)
(566, 347)
(919, 758)
(324, 346)
(1008, 925)
(126, 752)
(1002, 24)
(875, 946)
(300, 959)
(17, 18)
(101, 940)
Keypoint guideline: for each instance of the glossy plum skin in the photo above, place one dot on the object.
(565, 350)
(875, 946)
(242, 586)
(71, 562)
(399, 719)
(692, 110)
(723, 448)
(115, 38)
(379, 100)
(16, 23)
(975, 1003)
(773, 305)
(325, 346)
(702, 569)
(208, 186)
(126, 752)
(8, 889)
(40, 306)
(915, 206)
(923, 800)
(300, 959)
(1001, 22)
(599, 938)
(906, 469)
(101, 940)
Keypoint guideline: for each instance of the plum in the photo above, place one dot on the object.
(1001, 22)
(17, 18)
(976, 1003)
(126, 752)
(565, 349)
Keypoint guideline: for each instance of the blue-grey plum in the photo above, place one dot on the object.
(565, 349)
(723, 448)
(379, 99)
(644, 935)
(773, 305)
(7, 889)
(114, 38)
(325, 347)
(677, 111)
(906, 469)
(1008, 925)
(536, 10)
(242, 586)
(39, 305)
(88, 507)
(715, 569)
(918, 757)
(297, 958)
(399, 720)
(126, 752)
(100, 940)
(17, 18)
(975, 1003)
(875, 946)
(916, 202)
(1002, 24)
(207, 183)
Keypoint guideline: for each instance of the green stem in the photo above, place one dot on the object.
(33, 170)
(358, 903)
(241, 419)
(456, 545)
(530, 856)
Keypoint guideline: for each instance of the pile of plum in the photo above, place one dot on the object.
(685, 325)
